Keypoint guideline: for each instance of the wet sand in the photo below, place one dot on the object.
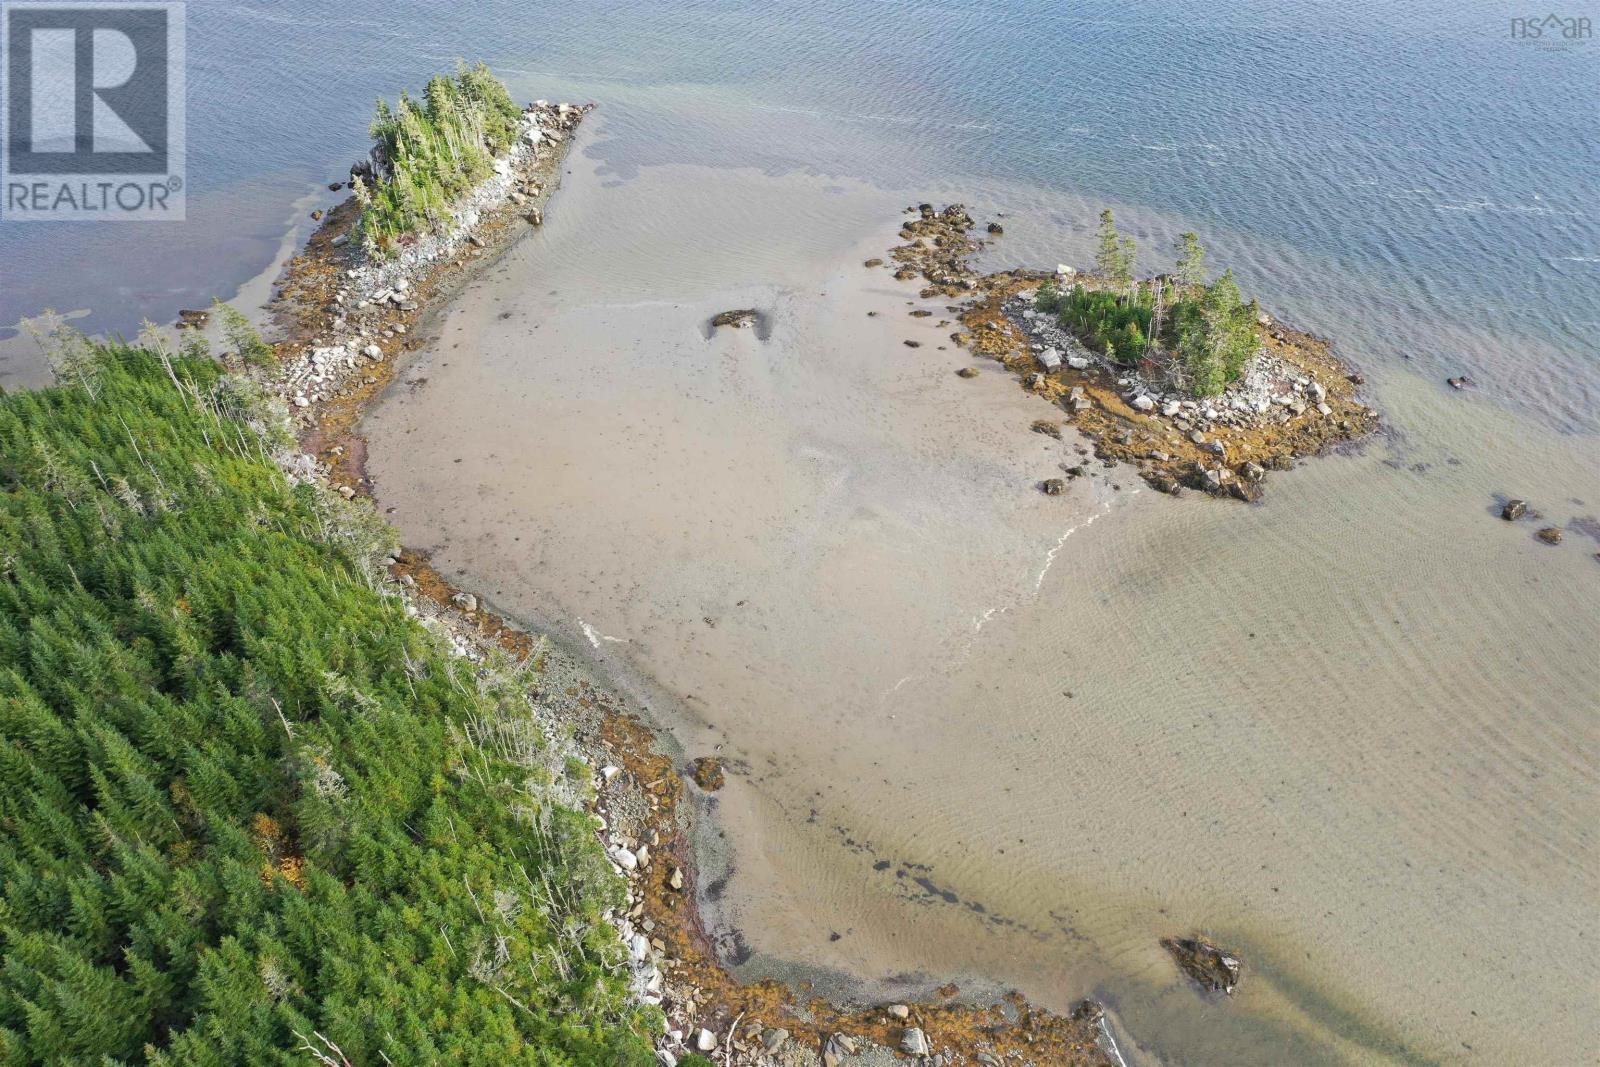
(980, 733)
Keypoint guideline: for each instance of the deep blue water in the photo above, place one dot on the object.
(1408, 172)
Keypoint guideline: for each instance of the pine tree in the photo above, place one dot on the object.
(1127, 263)
(1216, 336)
(1108, 259)
(1191, 268)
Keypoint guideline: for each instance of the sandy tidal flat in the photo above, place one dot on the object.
(977, 732)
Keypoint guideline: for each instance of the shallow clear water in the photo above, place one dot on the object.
(985, 734)
(1353, 732)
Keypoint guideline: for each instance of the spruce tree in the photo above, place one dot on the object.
(1191, 268)
(1127, 263)
(1108, 259)
(1216, 336)
(214, 842)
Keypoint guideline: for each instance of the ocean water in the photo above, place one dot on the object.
(1411, 171)
(1353, 732)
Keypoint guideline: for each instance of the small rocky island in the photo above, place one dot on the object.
(1173, 374)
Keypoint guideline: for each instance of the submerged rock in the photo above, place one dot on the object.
(707, 773)
(1162, 482)
(1550, 535)
(1211, 968)
(967, 372)
(1249, 492)
(1514, 510)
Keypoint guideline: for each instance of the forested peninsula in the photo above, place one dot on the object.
(255, 812)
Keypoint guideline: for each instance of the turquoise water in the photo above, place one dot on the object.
(1409, 177)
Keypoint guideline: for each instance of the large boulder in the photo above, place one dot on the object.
(913, 1042)
(738, 319)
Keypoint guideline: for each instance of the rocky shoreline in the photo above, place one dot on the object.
(343, 324)
(1296, 399)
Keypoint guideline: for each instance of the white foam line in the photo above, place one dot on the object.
(1111, 1041)
(980, 621)
(897, 687)
(595, 636)
(1050, 557)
